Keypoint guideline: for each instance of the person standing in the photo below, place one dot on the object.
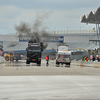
(97, 58)
(93, 58)
(84, 58)
(47, 59)
(87, 58)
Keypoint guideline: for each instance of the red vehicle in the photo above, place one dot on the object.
(1, 53)
(1, 50)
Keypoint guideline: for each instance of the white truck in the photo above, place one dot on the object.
(63, 55)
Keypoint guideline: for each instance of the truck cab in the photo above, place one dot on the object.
(34, 51)
(63, 55)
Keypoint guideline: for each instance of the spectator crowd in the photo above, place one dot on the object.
(92, 58)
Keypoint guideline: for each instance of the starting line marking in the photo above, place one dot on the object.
(96, 65)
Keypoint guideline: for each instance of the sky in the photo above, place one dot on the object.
(60, 14)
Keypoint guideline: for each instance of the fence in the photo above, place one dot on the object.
(66, 32)
(2, 59)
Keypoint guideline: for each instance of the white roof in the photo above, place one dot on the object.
(66, 52)
(93, 17)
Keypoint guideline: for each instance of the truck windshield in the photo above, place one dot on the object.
(11, 53)
(34, 48)
(63, 56)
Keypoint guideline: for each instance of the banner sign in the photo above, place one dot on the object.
(51, 39)
(57, 39)
(24, 39)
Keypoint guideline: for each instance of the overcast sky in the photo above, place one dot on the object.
(61, 14)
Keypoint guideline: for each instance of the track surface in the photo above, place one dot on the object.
(21, 68)
(19, 81)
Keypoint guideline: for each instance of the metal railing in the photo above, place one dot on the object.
(66, 32)
(72, 31)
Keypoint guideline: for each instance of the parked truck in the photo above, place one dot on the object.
(63, 55)
(34, 52)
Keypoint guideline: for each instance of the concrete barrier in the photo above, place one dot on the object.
(2, 59)
(88, 64)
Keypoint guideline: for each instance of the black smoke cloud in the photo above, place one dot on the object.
(35, 31)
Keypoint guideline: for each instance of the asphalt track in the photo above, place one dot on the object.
(19, 81)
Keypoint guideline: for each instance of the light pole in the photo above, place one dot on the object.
(67, 29)
(54, 30)
(89, 29)
(80, 29)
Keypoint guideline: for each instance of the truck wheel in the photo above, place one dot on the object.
(57, 64)
(7, 58)
(16, 60)
(11, 59)
(39, 64)
(68, 65)
(27, 62)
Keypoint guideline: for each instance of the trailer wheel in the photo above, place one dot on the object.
(16, 60)
(11, 59)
